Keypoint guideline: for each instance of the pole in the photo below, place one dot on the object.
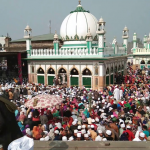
(19, 67)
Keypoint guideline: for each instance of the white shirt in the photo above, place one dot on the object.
(137, 139)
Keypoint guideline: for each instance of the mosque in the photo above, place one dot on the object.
(141, 56)
(83, 59)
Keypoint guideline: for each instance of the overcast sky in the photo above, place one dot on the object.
(16, 14)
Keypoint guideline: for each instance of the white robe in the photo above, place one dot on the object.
(121, 94)
(117, 94)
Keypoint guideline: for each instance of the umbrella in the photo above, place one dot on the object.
(43, 101)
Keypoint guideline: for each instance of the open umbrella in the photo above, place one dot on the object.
(43, 101)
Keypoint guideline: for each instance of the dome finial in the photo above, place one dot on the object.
(79, 2)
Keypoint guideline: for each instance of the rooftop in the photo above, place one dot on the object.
(44, 37)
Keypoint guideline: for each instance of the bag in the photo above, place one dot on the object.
(24, 143)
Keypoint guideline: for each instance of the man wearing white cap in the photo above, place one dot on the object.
(116, 93)
(100, 136)
(140, 138)
(93, 133)
(122, 129)
(108, 135)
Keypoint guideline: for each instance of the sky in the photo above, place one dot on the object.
(16, 14)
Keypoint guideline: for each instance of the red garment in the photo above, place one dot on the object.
(36, 119)
(131, 135)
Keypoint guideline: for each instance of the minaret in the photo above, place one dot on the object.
(56, 43)
(148, 42)
(125, 37)
(134, 42)
(28, 37)
(104, 41)
(101, 32)
(89, 39)
(145, 41)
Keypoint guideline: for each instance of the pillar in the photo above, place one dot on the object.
(20, 67)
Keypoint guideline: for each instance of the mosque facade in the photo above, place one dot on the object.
(141, 56)
(83, 59)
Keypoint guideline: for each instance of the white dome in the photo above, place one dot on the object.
(78, 23)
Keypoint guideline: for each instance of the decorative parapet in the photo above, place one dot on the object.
(141, 51)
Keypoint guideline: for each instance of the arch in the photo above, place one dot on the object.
(112, 69)
(116, 68)
(40, 70)
(142, 62)
(107, 71)
(119, 68)
(62, 70)
(148, 62)
(50, 70)
(87, 71)
(74, 71)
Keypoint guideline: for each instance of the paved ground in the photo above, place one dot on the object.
(91, 145)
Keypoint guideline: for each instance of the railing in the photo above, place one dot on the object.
(63, 52)
(111, 51)
(141, 51)
(75, 52)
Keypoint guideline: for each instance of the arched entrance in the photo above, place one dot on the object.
(107, 77)
(142, 64)
(87, 78)
(40, 76)
(112, 75)
(50, 76)
(74, 77)
(62, 74)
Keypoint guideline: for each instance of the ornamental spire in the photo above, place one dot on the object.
(79, 2)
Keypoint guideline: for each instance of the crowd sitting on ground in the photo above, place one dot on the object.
(116, 113)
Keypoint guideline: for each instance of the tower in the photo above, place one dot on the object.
(134, 42)
(148, 42)
(145, 41)
(100, 32)
(56, 43)
(125, 37)
(89, 39)
(27, 36)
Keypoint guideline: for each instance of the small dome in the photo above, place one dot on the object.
(55, 36)
(28, 28)
(125, 28)
(101, 20)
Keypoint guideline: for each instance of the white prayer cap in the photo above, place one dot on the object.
(47, 138)
(93, 120)
(103, 101)
(112, 116)
(75, 131)
(83, 131)
(110, 108)
(98, 138)
(29, 116)
(147, 108)
(79, 127)
(130, 121)
(122, 125)
(100, 131)
(128, 127)
(89, 126)
(71, 139)
(97, 120)
(142, 135)
(102, 110)
(86, 135)
(108, 132)
(104, 139)
(98, 98)
(27, 130)
(83, 126)
(97, 107)
(56, 132)
(50, 126)
(92, 126)
(78, 134)
(42, 139)
(64, 138)
(74, 122)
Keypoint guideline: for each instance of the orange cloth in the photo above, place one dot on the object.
(36, 133)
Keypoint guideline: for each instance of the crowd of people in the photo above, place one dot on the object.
(117, 113)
